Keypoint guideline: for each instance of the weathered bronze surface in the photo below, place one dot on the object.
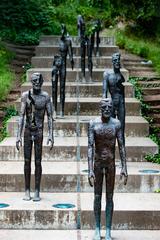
(102, 134)
(34, 104)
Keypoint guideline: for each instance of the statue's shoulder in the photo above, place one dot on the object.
(24, 95)
(107, 72)
(93, 122)
(46, 95)
(116, 122)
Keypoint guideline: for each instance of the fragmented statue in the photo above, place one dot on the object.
(34, 104)
(102, 134)
(85, 47)
(96, 28)
(65, 48)
(113, 83)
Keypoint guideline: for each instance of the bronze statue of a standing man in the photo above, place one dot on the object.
(113, 82)
(65, 47)
(102, 135)
(86, 46)
(34, 104)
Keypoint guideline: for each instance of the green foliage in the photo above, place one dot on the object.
(10, 111)
(140, 46)
(6, 75)
(23, 21)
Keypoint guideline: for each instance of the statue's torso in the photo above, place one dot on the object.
(105, 139)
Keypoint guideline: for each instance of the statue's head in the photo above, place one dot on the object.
(63, 30)
(106, 107)
(37, 81)
(116, 60)
(57, 60)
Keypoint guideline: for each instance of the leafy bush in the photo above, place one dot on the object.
(6, 75)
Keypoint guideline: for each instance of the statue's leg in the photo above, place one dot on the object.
(54, 91)
(90, 63)
(62, 89)
(38, 167)
(121, 116)
(97, 44)
(27, 163)
(97, 201)
(83, 55)
(110, 180)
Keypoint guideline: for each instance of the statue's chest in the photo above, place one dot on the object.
(63, 46)
(103, 131)
(115, 79)
(40, 102)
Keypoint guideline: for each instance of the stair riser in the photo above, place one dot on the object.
(68, 183)
(48, 62)
(68, 153)
(52, 50)
(38, 219)
(72, 76)
(69, 129)
(92, 108)
(54, 40)
(84, 90)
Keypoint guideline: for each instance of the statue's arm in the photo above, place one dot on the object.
(21, 120)
(122, 153)
(105, 85)
(49, 111)
(70, 51)
(90, 152)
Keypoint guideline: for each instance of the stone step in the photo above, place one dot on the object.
(142, 73)
(84, 89)
(54, 40)
(65, 148)
(66, 127)
(151, 90)
(152, 99)
(75, 74)
(64, 177)
(141, 211)
(150, 84)
(9, 234)
(47, 62)
(51, 50)
(90, 106)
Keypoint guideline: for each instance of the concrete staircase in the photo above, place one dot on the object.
(65, 180)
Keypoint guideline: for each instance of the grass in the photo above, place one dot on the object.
(146, 48)
(6, 75)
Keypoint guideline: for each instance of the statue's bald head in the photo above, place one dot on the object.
(105, 102)
(36, 80)
(116, 56)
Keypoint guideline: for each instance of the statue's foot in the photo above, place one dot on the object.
(36, 197)
(97, 236)
(27, 196)
(61, 114)
(108, 236)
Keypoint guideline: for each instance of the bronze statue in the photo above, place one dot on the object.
(102, 134)
(56, 73)
(85, 47)
(113, 82)
(65, 47)
(95, 30)
(34, 103)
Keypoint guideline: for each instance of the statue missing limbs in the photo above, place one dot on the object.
(95, 30)
(85, 46)
(65, 47)
(102, 135)
(113, 82)
(34, 104)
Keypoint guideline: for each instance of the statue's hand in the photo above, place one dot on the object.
(124, 174)
(91, 178)
(51, 141)
(18, 143)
